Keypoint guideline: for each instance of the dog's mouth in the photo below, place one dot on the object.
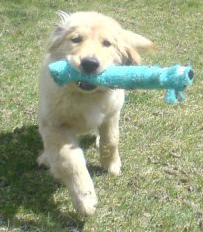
(85, 86)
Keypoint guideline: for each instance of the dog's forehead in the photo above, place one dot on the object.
(92, 20)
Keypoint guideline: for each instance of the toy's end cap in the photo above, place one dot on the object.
(191, 74)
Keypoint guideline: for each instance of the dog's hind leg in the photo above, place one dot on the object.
(67, 163)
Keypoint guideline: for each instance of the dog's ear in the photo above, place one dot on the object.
(134, 45)
(60, 30)
(138, 42)
(130, 56)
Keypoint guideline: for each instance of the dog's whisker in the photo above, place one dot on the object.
(63, 16)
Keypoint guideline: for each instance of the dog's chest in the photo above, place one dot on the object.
(84, 113)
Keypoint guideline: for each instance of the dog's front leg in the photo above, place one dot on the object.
(67, 163)
(108, 145)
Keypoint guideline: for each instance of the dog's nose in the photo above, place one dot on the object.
(89, 64)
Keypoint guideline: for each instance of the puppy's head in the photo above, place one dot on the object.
(91, 42)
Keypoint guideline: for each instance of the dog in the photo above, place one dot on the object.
(91, 42)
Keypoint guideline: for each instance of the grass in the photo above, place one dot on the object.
(161, 146)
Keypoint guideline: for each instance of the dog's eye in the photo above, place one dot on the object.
(106, 43)
(77, 39)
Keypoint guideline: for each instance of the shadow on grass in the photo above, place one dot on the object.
(24, 187)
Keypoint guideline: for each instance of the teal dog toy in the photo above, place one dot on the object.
(175, 79)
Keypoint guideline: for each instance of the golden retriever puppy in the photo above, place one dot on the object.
(91, 42)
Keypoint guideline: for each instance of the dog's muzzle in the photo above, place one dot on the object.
(85, 86)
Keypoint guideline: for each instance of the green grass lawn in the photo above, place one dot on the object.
(161, 146)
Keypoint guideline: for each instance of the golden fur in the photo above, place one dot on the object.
(67, 112)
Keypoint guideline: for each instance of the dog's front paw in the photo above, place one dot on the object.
(113, 166)
(85, 203)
